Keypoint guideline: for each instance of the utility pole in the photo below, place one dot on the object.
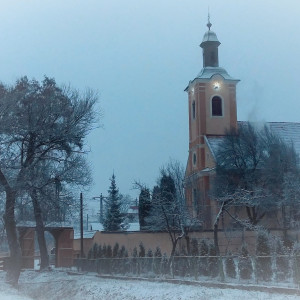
(81, 226)
(101, 198)
(101, 208)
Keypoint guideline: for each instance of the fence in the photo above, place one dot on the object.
(251, 269)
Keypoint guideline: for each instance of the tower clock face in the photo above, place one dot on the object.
(216, 85)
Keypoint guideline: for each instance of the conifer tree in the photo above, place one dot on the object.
(144, 207)
(99, 253)
(95, 251)
(230, 266)
(142, 252)
(122, 251)
(109, 251)
(282, 261)
(263, 261)
(213, 260)
(157, 260)
(194, 248)
(113, 217)
(245, 265)
(116, 250)
(203, 261)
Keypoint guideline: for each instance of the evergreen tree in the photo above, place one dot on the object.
(90, 253)
(95, 251)
(113, 217)
(122, 251)
(213, 261)
(144, 207)
(230, 266)
(116, 250)
(149, 260)
(149, 253)
(104, 251)
(167, 189)
(203, 261)
(134, 261)
(109, 251)
(194, 247)
(157, 260)
(263, 260)
(282, 261)
(142, 252)
(245, 265)
(99, 253)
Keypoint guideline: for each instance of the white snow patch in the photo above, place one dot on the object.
(59, 285)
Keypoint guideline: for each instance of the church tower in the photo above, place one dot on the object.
(212, 111)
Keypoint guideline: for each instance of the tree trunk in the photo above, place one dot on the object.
(40, 230)
(188, 244)
(284, 221)
(15, 260)
(174, 244)
(216, 238)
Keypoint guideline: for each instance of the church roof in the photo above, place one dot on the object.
(209, 36)
(209, 72)
(288, 131)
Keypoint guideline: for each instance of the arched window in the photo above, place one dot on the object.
(216, 106)
(194, 110)
(194, 159)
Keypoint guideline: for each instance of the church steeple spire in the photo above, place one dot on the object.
(210, 44)
(208, 21)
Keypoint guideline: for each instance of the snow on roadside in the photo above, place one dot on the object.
(59, 285)
(9, 293)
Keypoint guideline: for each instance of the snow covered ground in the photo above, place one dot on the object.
(59, 285)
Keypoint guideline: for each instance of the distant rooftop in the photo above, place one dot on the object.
(50, 225)
(287, 131)
(89, 234)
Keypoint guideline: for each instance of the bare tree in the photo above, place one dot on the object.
(38, 122)
(252, 165)
(168, 209)
(51, 187)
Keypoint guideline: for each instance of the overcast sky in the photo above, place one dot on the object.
(140, 55)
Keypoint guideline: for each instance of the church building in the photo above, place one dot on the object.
(213, 110)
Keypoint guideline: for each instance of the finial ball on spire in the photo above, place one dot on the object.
(209, 25)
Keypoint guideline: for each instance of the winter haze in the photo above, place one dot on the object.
(140, 55)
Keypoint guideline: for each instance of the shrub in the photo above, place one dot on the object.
(213, 261)
(115, 251)
(263, 259)
(164, 264)
(122, 251)
(99, 252)
(245, 265)
(157, 260)
(94, 251)
(282, 261)
(203, 260)
(142, 252)
(194, 247)
(296, 263)
(230, 266)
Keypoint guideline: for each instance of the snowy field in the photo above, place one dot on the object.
(59, 286)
